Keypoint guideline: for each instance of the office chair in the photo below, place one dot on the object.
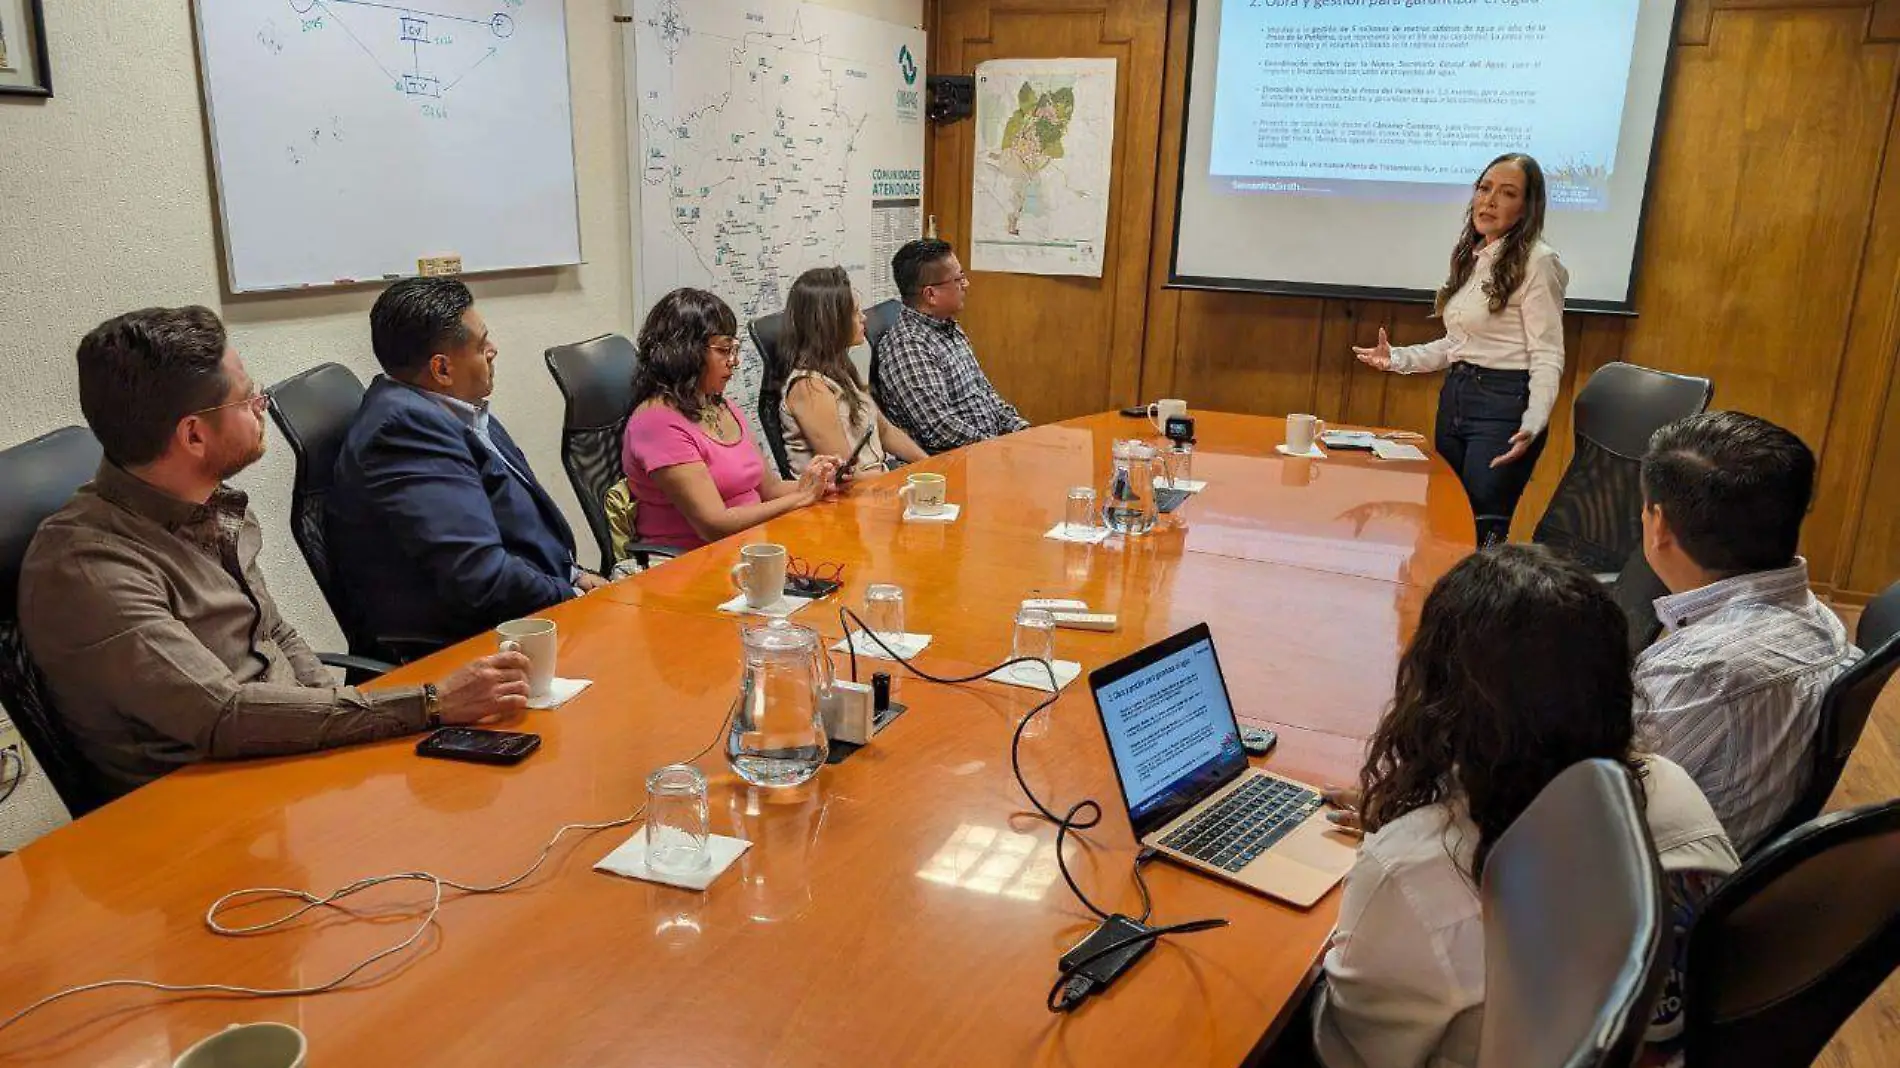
(1595, 518)
(1785, 950)
(314, 409)
(595, 378)
(1575, 930)
(37, 479)
(766, 332)
(1846, 707)
(1636, 590)
(878, 320)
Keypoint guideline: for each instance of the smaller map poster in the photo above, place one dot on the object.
(1045, 138)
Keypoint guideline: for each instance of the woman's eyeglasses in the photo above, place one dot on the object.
(727, 348)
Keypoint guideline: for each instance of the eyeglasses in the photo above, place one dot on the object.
(727, 348)
(806, 571)
(959, 279)
(255, 400)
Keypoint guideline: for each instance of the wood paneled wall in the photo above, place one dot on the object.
(1771, 257)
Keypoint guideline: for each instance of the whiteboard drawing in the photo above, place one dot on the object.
(354, 137)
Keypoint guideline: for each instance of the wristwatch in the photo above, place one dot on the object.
(432, 704)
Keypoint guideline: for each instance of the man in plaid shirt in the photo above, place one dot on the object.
(924, 374)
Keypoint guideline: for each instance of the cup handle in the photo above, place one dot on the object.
(906, 492)
(509, 645)
(739, 569)
(1154, 416)
(1319, 429)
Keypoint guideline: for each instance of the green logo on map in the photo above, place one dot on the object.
(908, 64)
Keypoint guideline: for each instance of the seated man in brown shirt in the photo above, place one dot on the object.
(142, 603)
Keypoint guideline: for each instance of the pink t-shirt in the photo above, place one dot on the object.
(661, 437)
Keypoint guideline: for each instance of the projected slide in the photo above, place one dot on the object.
(1410, 98)
(1330, 146)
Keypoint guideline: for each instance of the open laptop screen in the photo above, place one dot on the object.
(1170, 726)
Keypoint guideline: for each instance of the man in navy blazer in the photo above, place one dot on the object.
(437, 528)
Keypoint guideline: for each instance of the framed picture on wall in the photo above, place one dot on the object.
(23, 67)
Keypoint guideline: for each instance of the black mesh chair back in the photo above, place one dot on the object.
(1574, 927)
(766, 332)
(1789, 946)
(1847, 705)
(1636, 590)
(37, 479)
(314, 410)
(595, 378)
(878, 320)
(1596, 515)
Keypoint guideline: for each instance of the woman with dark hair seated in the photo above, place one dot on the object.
(1520, 668)
(827, 407)
(693, 467)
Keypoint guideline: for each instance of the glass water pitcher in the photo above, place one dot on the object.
(1128, 505)
(777, 737)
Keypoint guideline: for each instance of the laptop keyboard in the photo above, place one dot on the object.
(1244, 824)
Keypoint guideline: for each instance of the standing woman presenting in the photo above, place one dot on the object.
(1503, 308)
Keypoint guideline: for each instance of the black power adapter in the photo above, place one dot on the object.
(1102, 957)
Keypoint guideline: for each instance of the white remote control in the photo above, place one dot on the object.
(1056, 604)
(1085, 620)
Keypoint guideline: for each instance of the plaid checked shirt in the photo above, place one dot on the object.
(930, 385)
(1732, 691)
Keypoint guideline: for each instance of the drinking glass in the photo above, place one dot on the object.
(677, 820)
(1035, 638)
(1079, 520)
(1179, 463)
(884, 611)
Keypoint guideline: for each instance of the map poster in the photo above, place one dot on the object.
(1045, 138)
(770, 137)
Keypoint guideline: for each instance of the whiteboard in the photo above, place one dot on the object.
(352, 138)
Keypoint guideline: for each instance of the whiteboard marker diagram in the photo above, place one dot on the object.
(412, 46)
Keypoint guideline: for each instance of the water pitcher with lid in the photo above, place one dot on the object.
(777, 736)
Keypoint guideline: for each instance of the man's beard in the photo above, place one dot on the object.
(242, 459)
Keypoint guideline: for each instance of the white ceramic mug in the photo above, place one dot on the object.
(534, 639)
(760, 574)
(1302, 431)
(924, 493)
(1162, 410)
(252, 1045)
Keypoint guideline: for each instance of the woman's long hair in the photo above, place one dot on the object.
(1520, 668)
(1515, 257)
(820, 323)
(672, 346)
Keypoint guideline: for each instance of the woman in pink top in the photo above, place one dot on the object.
(693, 467)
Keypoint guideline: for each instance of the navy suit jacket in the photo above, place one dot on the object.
(430, 536)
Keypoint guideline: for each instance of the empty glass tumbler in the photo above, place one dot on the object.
(884, 611)
(1079, 520)
(677, 820)
(1034, 639)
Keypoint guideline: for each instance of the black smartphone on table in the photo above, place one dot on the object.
(477, 746)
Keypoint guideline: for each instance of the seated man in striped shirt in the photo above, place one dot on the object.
(925, 376)
(1732, 690)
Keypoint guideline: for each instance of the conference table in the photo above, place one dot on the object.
(903, 907)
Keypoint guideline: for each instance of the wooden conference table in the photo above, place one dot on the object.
(899, 909)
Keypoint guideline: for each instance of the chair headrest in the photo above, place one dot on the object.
(314, 410)
(37, 478)
(595, 377)
(1623, 404)
(767, 331)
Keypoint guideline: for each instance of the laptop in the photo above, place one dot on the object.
(1191, 794)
